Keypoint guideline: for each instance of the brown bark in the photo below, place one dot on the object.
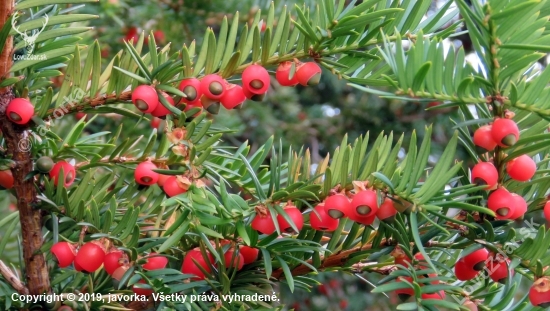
(334, 260)
(17, 138)
(12, 279)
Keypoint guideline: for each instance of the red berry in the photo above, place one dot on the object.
(283, 73)
(189, 266)
(64, 252)
(6, 179)
(155, 122)
(521, 168)
(192, 88)
(386, 210)
(323, 289)
(505, 132)
(233, 96)
(250, 254)
(343, 304)
(162, 179)
(502, 203)
(155, 262)
(470, 305)
(483, 139)
(485, 173)
(337, 206)
(308, 74)
(498, 269)
(233, 260)
(476, 260)
(172, 188)
(160, 110)
(144, 174)
(520, 206)
(77, 267)
(69, 173)
(539, 294)
(145, 98)
(320, 220)
(294, 214)
(365, 204)
(90, 257)
(263, 224)
(364, 220)
(213, 86)
(120, 272)
(112, 261)
(80, 115)
(438, 296)
(546, 211)
(256, 79)
(252, 96)
(400, 257)
(463, 272)
(159, 35)
(132, 33)
(20, 111)
(404, 293)
(142, 291)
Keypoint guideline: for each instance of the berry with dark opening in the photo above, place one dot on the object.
(295, 215)
(155, 262)
(256, 79)
(233, 96)
(365, 204)
(192, 88)
(213, 86)
(505, 132)
(404, 293)
(64, 252)
(387, 210)
(485, 173)
(160, 110)
(476, 260)
(546, 211)
(320, 220)
(142, 291)
(44, 164)
(113, 260)
(464, 272)
(252, 96)
(250, 254)
(308, 74)
(6, 179)
(144, 174)
(263, 223)
(502, 203)
(498, 270)
(189, 266)
(338, 206)
(364, 220)
(539, 293)
(483, 139)
(283, 75)
(90, 256)
(521, 168)
(20, 111)
(145, 98)
(69, 173)
(172, 188)
(233, 260)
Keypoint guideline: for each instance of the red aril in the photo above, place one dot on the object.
(308, 74)
(250, 254)
(20, 111)
(145, 98)
(364, 204)
(113, 260)
(6, 179)
(485, 173)
(233, 259)
(144, 174)
(263, 223)
(337, 206)
(69, 173)
(256, 79)
(539, 293)
(521, 168)
(190, 267)
(505, 132)
(321, 221)
(172, 188)
(160, 110)
(64, 252)
(295, 215)
(90, 256)
(386, 210)
(483, 139)
(192, 88)
(155, 262)
(213, 86)
(283, 75)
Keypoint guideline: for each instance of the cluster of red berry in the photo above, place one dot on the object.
(194, 262)
(144, 175)
(212, 88)
(469, 266)
(503, 133)
(419, 262)
(44, 165)
(363, 208)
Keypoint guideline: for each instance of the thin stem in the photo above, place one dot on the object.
(12, 279)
